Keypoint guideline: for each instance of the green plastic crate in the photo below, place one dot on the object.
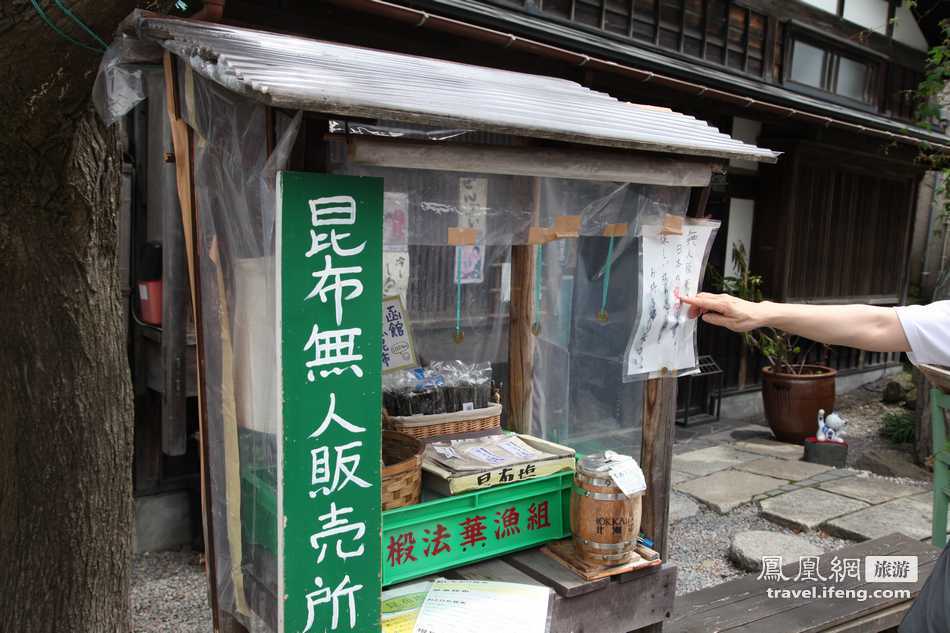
(259, 508)
(437, 535)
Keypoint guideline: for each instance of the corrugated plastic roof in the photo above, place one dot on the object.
(300, 73)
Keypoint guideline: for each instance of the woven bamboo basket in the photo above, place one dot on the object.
(426, 426)
(402, 470)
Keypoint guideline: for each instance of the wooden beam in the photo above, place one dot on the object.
(174, 351)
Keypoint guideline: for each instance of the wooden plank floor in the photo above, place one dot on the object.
(743, 604)
(581, 606)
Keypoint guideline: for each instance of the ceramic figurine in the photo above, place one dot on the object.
(820, 435)
(834, 428)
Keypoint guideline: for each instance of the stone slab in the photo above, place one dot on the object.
(677, 476)
(782, 468)
(706, 461)
(682, 507)
(162, 522)
(808, 508)
(890, 462)
(871, 490)
(907, 515)
(748, 548)
(726, 490)
(771, 448)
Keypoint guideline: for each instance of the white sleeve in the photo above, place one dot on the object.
(928, 331)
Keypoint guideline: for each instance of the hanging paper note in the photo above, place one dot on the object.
(398, 350)
(671, 266)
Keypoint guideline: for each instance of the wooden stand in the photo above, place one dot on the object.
(565, 553)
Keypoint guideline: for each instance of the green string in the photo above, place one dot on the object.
(538, 276)
(81, 24)
(458, 290)
(610, 257)
(64, 35)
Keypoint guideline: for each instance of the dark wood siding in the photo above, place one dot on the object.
(833, 227)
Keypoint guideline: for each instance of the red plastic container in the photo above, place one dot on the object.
(150, 301)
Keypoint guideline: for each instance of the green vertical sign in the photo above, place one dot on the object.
(329, 249)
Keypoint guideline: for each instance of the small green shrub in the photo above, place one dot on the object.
(898, 427)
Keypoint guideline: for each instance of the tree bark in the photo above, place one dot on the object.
(65, 392)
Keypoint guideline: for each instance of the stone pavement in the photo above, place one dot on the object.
(731, 466)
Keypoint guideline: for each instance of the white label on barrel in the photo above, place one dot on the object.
(628, 477)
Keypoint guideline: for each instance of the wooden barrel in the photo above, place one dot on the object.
(605, 522)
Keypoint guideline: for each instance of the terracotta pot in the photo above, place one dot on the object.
(792, 400)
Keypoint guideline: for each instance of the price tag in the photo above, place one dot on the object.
(447, 451)
(628, 477)
(482, 454)
(516, 449)
(468, 406)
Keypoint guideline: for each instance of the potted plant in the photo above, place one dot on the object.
(792, 389)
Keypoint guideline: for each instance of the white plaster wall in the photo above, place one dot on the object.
(906, 29)
(831, 6)
(747, 131)
(741, 216)
(871, 14)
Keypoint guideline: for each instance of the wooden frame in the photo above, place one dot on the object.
(834, 50)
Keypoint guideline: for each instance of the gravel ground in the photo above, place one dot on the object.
(699, 545)
(864, 412)
(169, 593)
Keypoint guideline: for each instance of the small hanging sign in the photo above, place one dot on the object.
(398, 349)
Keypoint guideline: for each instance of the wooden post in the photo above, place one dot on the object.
(656, 458)
(174, 337)
(520, 337)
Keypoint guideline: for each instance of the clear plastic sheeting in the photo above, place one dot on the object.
(403, 131)
(234, 194)
(579, 396)
(120, 83)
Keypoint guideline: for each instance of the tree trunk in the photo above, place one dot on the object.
(65, 399)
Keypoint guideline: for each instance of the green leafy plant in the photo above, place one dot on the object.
(931, 97)
(781, 349)
(898, 427)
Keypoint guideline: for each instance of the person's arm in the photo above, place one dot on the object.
(871, 328)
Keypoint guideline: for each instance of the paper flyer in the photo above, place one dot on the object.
(476, 606)
(400, 606)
